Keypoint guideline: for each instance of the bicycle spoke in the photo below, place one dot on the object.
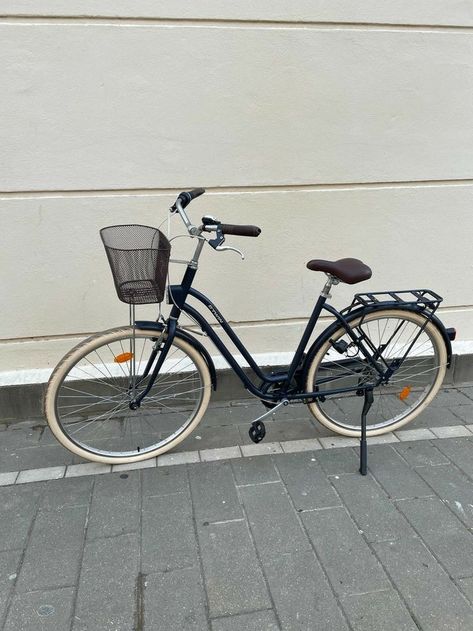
(103, 417)
(92, 378)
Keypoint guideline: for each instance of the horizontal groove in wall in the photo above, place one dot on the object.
(453, 309)
(190, 327)
(229, 23)
(263, 188)
(235, 325)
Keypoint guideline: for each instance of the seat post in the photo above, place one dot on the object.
(331, 280)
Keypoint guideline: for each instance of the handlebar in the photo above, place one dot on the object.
(186, 197)
(240, 231)
(209, 224)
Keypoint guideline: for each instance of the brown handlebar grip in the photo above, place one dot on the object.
(240, 231)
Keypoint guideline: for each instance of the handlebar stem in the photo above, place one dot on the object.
(191, 229)
(194, 263)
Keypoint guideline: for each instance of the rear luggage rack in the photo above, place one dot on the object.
(424, 299)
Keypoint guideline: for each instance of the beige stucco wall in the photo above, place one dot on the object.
(342, 130)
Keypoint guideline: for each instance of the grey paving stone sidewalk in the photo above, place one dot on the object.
(284, 541)
(289, 541)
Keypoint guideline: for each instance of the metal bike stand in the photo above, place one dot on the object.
(363, 444)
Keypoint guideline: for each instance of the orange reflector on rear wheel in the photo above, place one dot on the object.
(124, 357)
(405, 392)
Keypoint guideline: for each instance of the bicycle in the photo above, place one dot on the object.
(131, 393)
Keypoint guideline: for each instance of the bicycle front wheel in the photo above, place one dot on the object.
(87, 401)
(398, 335)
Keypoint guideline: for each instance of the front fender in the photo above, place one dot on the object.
(184, 335)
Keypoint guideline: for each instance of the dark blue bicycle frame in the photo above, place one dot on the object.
(179, 294)
(287, 386)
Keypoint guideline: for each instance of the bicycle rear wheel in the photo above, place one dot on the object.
(338, 363)
(88, 396)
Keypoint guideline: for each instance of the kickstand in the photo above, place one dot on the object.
(363, 444)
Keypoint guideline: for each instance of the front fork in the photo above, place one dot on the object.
(170, 332)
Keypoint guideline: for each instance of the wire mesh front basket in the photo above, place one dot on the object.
(139, 258)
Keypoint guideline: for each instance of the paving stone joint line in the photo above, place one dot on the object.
(43, 474)
(328, 580)
(256, 547)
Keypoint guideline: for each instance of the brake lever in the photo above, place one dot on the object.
(220, 238)
(222, 248)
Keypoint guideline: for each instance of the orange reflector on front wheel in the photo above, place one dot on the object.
(405, 392)
(124, 357)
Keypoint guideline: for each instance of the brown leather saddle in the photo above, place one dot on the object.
(349, 271)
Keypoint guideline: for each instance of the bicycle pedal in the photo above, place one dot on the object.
(257, 431)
